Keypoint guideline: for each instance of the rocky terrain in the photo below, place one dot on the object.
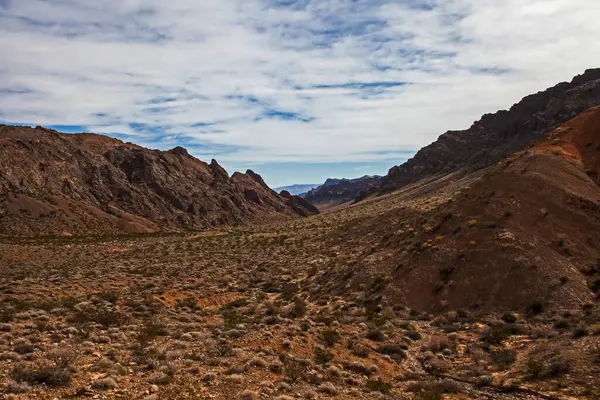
(480, 283)
(335, 192)
(511, 236)
(496, 136)
(52, 183)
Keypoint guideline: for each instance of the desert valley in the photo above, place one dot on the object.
(472, 271)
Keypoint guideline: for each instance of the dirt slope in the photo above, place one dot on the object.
(52, 183)
(499, 135)
(514, 236)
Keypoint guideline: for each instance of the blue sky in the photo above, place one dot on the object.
(296, 90)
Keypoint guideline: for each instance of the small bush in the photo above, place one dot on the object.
(231, 318)
(540, 366)
(330, 337)
(535, 308)
(322, 356)
(503, 359)
(23, 346)
(378, 386)
(413, 335)
(109, 295)
(101, 315)
(63, 357)
(299, 309)
(376, 335)
(248, 395)
(16, 387)
(580, 332)
(104, 384)
(438, 343)
(509, 318)
(294, 369)
(396, 351)
(187, 302)
(358, 367)
(434, 390)
(496, 334)
(360, 350)
(562, 324)
(42, 375)
(151, 329)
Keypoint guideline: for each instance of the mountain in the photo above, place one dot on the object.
(53, 183)
(522, 235)
(298, 189)
(496, 136)
(335, 192)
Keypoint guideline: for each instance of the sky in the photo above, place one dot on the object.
(296, 90)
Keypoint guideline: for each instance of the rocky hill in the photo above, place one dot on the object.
(335, 192)
(498, 135)
(53, 183)
(523, 234)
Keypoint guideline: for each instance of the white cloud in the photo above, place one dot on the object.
(241, 65)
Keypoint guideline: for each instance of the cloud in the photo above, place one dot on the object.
(263, 81)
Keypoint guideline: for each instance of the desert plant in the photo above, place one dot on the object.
(322, 356)
(503, 359)
(330, 337)
(63, 357)
(299, 309)
(378, 386)
(42, 375)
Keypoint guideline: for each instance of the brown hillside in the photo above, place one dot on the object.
(497, 136)
(52, 183)
(578, 141)
(511, 237)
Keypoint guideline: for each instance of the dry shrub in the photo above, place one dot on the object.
(63, 356)
(547, 362)
(503, 359)
(330, 337)
(378, 386)
(42, 375)
(438, 343)
(434, 390)
(322, 356)
(294, 369)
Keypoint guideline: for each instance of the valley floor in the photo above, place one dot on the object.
(233, 314)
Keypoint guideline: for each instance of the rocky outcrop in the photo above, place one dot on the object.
(498, 135)
(53, 183)
(299, 204)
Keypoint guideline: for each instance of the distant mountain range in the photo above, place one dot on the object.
(297, 189)
(339, 191)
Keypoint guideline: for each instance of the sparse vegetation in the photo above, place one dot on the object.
(308, 308)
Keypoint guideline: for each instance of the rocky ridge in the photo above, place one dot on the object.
(53, 183)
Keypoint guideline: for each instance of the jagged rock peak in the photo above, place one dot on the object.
(182, 151)
(218, 172)
(257, 178)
